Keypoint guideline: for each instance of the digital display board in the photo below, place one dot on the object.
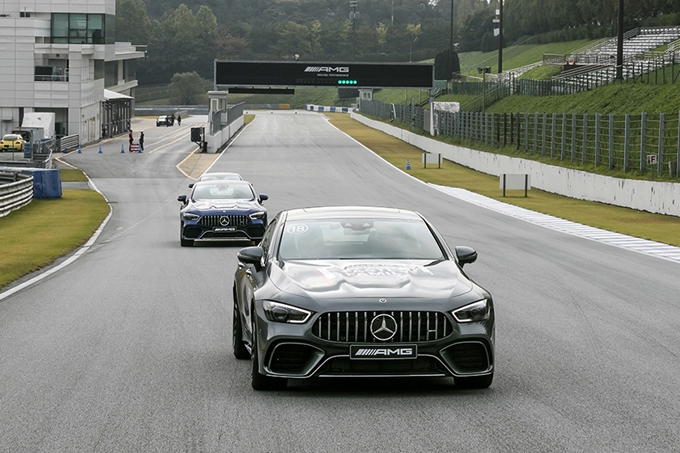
(314, 74)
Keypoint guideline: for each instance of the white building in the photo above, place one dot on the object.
(61, 56)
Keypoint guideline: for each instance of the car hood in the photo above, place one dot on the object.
(321, 279)
(224, 205)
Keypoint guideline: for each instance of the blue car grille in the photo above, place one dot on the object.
(354, 326)
(214, 220)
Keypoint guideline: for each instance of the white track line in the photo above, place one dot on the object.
(652, 248)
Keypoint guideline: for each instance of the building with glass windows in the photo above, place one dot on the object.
(61, 56)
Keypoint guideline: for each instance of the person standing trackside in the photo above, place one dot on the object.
(179, 119)
(131, 139)
(141, 141)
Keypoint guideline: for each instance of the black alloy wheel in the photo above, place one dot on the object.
(239, 348)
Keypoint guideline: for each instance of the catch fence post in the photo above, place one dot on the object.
(659, 160)
(584, 150)
(643, 138)
(611, 141)
(597, 139)
(626, 144)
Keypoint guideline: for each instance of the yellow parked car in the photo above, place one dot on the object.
(12, 142)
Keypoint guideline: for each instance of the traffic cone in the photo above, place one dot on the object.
(80, 151)
(100, 149)
(122, 149)
(408, 164)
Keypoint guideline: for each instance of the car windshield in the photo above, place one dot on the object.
(223, 191)
(359, 239)
(10, 137)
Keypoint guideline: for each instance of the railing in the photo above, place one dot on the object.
(68, 142)
(630, 143)
(16, 191)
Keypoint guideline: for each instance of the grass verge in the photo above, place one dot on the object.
(45, 230)
(656, 227)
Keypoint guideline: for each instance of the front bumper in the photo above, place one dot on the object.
(292, 351)
(196, 232)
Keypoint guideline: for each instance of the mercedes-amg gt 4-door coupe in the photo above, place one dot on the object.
(360, 292)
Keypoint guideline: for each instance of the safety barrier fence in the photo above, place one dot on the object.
(646, 144)
(16, 191)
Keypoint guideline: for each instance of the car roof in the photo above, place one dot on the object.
(215, 182)
(330, 212)
(11, 136)
(222, 174)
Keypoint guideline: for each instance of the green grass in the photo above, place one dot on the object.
(541, 73)
(515, 56)
(72, 175)
(641, 224)
(49, 229)
(618, 98)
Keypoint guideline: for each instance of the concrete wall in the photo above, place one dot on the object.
(215, 142)
(656, 197)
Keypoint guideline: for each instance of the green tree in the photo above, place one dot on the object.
(132, 22)
(187, 86)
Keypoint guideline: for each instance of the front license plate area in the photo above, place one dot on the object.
(378, 352)
(224, 229)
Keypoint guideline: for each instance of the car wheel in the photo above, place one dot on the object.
(259, 381)
(477, 382)
(239, 348)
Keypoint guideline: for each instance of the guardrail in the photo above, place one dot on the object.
(16, 191)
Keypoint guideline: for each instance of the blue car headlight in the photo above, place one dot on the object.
(190, 216)
(258, 215)
(278, 312)
(476, 311)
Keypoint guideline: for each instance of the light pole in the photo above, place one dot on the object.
(619, 45)
(500, 36)
(353, 16)
(451, 45)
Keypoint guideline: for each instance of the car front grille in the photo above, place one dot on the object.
(354, 326)
(214, 220)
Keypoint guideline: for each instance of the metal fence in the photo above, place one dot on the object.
(630, 143)
(16, 191)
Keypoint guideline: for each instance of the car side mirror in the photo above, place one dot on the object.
(252, 255)
(182, 198)
(465, 255)
(263, 197)
(191, 185)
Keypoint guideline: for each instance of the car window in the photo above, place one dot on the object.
(267, 238)
(359, 238)
(223, 192)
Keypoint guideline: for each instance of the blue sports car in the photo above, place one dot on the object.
(222, 210)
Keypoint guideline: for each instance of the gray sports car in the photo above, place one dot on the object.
(360, 292)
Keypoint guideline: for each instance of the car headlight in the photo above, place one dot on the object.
(477, 311)
(190, 216)
(258, 215)
(278, 312)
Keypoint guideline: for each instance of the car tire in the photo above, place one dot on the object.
(239, 348)
(259, 381)
(476, 382)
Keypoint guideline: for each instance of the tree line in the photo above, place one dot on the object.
(187, 37)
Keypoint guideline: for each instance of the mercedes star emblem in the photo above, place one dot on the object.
(383, 327)
(224, 220)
